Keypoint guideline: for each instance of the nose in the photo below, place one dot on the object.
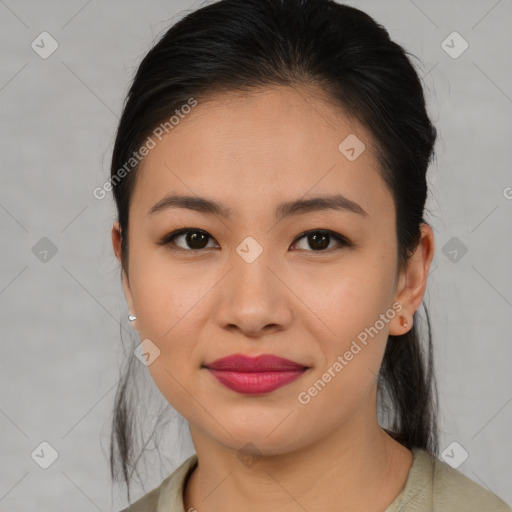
(252, 298)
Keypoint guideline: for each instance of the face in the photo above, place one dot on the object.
(302, 283)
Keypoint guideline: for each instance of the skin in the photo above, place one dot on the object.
(251, 151)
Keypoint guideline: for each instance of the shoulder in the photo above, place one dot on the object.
(168, 496)
(452, 488)
(433, 485)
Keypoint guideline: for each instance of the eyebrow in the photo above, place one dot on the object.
(286, 209)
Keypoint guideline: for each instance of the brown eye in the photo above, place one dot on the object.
(196, 240)
(319, 240)
(190, 239)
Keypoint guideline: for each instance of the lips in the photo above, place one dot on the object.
(248, 364)
(255, 375)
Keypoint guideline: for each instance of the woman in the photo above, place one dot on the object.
(269, 173)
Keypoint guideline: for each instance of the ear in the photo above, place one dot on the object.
(116, 243)
(412, 282)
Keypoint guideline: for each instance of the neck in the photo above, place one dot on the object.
(356, 467)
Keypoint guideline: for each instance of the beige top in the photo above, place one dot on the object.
(431, 486)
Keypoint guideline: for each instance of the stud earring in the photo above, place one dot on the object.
(403, 321)
(132, 318)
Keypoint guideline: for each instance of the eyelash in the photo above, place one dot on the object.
(168, 240)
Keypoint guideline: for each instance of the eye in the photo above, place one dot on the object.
(194, 239)
(319, 240)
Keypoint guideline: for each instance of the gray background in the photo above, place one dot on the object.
(61, 346)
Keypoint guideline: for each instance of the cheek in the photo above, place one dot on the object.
(168, 300)
(344, 300)
(355, 312)
(170, 312)
(350, 363)
(170, 375)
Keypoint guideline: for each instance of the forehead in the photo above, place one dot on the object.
(260, 147)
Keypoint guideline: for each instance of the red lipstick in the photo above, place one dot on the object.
(255, 375)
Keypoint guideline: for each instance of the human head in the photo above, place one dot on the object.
(326, 52)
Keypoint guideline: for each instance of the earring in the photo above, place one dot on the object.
(403, 321)
(132, 318)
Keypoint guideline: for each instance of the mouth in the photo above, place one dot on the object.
(255, 375)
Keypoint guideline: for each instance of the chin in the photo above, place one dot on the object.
(257, 442)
